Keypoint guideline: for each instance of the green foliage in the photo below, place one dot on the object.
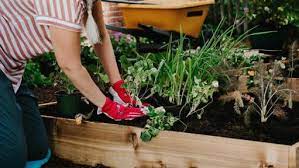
(125, 50)
(170, 75)
(188, 78)
(88, 56)
(275, 12)
(33, 76)
(92, 63)
(140, 75)
(158, 121)
(48, 58)
(241, 58)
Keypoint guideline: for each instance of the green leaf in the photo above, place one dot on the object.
(154, 132)
(145, 136)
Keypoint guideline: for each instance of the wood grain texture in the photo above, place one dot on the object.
(120, 147)
(293, 156)
(293, 84)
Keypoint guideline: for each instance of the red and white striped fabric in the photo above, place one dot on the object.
(24, 30)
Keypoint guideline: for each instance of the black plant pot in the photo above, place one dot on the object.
(68, 105)
(268, 41)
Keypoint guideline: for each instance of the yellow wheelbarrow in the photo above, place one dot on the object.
(160, 19)
(185, 16)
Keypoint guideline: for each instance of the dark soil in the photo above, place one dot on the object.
(220, 119)
(56, 162)
(45, 95)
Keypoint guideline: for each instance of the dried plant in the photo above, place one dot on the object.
(292, 55)
(269, 88)
(267, 94)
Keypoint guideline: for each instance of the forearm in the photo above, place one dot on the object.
(106, 54)
(83, 82)
(105, 50)
(66, 45)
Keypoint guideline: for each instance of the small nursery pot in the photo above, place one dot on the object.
(68, 105)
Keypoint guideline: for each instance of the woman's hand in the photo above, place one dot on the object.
(67, 51)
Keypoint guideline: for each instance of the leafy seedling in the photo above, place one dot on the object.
(158, 121)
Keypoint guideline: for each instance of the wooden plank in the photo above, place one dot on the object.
(44, 105)
(293, 156)
(119, 146)
(293, 84)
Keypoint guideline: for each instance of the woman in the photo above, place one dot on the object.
(29, 28)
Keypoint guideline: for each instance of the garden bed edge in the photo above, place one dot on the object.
(93, 143)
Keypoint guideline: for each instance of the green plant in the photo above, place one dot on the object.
(158, 121)
(140, 76)
(33, 76)
(273, 12)
(125, 50)
(48, 64)
(244, 58)
(187, 78)
(201, 92)
(88, 56)
(92, 63)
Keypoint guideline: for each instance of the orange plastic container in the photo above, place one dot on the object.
(186, 16)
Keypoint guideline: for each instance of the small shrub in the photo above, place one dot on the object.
(277, 13)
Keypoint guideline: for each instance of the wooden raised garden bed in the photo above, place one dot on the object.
(118, 146)
(293, 83)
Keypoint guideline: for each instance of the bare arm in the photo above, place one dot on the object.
(105, 50)
(67, 51)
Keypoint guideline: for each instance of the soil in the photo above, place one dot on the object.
(220, 119)
(45, 95)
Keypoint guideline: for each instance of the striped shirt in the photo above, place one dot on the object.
(24, 30)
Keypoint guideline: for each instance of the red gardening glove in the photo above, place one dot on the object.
(120, 112)
(121, 96)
